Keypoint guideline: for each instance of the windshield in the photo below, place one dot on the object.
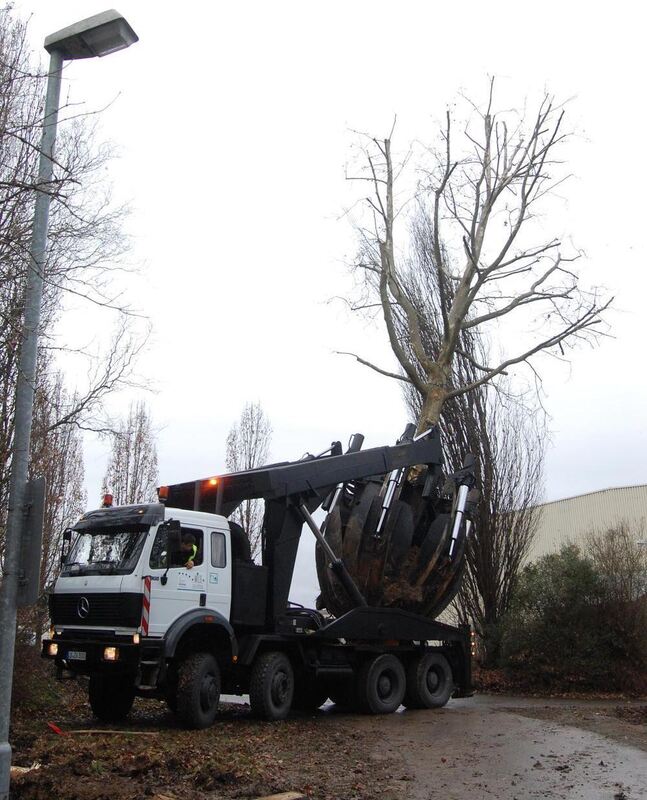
(105, 552)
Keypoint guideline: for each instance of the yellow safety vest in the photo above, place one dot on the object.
(194, 553)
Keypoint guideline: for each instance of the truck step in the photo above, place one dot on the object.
(154, 663)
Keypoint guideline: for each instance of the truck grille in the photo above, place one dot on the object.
(120, 610)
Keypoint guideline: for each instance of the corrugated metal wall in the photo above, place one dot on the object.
(569, 520)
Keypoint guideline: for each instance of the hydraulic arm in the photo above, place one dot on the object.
(391, 535)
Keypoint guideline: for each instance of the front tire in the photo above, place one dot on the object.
(111, 697)
(198, 690)
(271, 688)
(430, 681)
(381, 684)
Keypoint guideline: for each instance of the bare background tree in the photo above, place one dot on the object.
(248, 447)
(132, 475)
(508, 444)
(57, 454)
(507, 439)
(85, 252)
(495, 268)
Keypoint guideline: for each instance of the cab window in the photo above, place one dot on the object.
(159, 558)
(218, 550)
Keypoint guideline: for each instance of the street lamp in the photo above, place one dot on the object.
(96, 36)
(99, 35)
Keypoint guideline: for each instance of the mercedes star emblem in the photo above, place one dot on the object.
(83, 607)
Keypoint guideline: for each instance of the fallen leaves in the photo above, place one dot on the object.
(151, 756)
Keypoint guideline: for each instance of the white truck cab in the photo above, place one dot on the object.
(109, 563)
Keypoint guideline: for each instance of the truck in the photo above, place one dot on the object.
(163, 600)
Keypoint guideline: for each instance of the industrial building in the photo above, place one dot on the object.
(568, 521)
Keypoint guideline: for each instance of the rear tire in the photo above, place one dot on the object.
(271, 687)
(429, 681)
(171, 702)
(111, 697)
(381, 684)
(198, 690)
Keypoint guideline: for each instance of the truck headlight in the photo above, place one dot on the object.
(52, 649)
(110, 653)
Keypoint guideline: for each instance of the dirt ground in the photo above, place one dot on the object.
(481, 747)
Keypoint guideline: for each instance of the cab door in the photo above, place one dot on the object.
(175, 588)
(219, 571)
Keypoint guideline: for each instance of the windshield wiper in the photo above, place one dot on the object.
(111, 566)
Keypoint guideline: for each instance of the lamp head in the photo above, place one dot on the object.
(99, 35)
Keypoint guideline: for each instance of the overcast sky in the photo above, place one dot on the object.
(232, 122)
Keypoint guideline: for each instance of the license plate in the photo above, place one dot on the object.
(76, 655)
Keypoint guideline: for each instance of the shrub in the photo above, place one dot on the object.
(579, 617)
(621, 562)
(552, 632)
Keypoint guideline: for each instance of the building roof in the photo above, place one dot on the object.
(595, 491)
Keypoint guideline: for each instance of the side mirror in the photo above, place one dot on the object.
(173, 543)
(65, 547)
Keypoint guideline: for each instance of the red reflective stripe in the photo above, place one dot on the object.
(146, 605)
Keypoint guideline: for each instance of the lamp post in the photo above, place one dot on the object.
(96, 36)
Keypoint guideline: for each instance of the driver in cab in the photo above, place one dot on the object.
(188, 550)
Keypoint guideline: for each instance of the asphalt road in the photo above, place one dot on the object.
(512, 748)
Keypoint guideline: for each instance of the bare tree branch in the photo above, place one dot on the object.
(394, 375)
(453, 242)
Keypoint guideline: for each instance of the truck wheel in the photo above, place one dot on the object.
(429, 681)
(198, 690)
(381, 684)
(170, 694)
(111, 697)
(309, 695)
(271, 687)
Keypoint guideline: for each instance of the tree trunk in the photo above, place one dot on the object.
(432, 405)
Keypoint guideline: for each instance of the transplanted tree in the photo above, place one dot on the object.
(248, 447)
(132, 475)
(455, 263)
(495, 269)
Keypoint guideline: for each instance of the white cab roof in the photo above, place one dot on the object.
(197, 518)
